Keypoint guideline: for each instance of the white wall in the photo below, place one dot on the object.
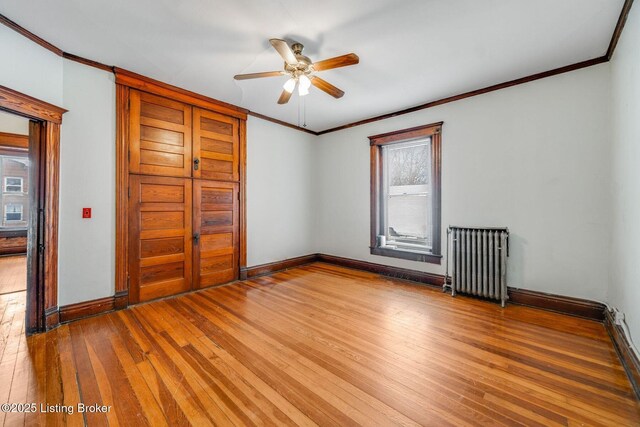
(280, 197)
(624, 290)
(533, 158)
(12, 123)
(87, 179)
(29, 68)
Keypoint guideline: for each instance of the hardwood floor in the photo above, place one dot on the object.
(323, 345)
(13, 274)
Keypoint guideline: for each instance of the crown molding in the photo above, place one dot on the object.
(622, 19)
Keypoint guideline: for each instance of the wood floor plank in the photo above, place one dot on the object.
(13, 274)
(317, 345)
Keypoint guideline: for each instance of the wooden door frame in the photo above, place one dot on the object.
(125, 81)
(42, 247)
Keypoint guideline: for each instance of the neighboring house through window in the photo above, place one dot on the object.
(13, 184)
(405, 194)
(13, 212)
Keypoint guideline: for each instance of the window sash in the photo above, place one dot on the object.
(414, 245)
(13, 184)
(13, 212)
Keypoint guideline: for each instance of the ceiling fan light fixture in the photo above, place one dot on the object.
(290, 85)
(305, 84)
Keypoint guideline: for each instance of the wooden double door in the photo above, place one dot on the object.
(184, 199)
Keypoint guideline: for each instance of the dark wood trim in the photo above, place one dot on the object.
(146, 84)
(84, 309)
(434, 131)
(35, 318)
(121, 299)
(281, 123)
(14, 141)
(123, 91)
(50, 47)
(522, 80)
(13, 233)
(566, 305)
(89, 62)
(272, 267)
(243, 195)
(626, 354)
(622, 19)
(42, 245)
(406, 134)
(28, 106)
(583, 64)
(385, 270)
(16, 251)
(122, 186)
(52, 318)
(561, 304)
(51, 162)
(28, 34)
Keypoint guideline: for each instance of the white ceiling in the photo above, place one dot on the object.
(411, 51)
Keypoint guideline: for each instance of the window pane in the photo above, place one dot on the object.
(14, 200)
(408, 194)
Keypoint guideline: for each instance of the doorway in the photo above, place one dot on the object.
(15, 202)
(35, 212)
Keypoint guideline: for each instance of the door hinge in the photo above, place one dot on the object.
(41, 248)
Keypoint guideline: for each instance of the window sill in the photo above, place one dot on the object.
(405, 254)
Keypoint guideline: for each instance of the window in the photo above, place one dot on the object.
(405, 194)
(12, 213)
(13, 185)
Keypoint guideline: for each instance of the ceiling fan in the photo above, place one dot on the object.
(301, 71)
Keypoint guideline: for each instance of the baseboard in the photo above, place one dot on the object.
(20, 252)
(51, 318)
(121, 300)
(272, 267)
(627, 356)
(566, 305)
(385, 270)
(561, 304)
(84, 309)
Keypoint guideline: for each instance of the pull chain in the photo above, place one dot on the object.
(304, 113)
(298, 111)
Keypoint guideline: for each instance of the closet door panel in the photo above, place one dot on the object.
(160, 136)
(216, 222)
(160, 245)
(215, 146)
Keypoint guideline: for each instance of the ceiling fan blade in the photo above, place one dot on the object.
(327, 87)
(284, 50)
(337, 62)
(257, 75)
(284, 97)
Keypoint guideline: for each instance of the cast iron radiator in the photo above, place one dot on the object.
(478, 262)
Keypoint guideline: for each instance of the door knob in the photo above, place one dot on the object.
(196, 163)
(196, 238)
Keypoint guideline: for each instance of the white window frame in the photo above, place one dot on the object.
(6, 207)
(6, 184)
